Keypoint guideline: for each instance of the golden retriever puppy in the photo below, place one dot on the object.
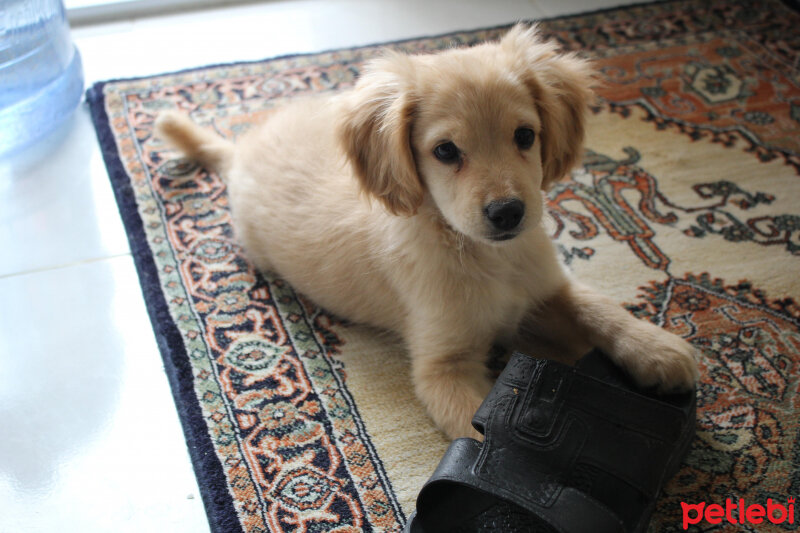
(414, 201)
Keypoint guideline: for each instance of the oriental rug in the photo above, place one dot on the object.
(686, 210)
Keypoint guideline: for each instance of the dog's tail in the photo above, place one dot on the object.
(204, 146)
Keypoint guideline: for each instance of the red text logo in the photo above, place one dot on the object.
(773, 512)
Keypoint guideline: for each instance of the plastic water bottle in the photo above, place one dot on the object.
(41, 76)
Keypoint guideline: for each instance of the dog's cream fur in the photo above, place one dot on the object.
(343, 197)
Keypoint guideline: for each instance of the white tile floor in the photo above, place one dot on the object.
(89, 438)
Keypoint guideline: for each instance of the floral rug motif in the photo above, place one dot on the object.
(685, 210)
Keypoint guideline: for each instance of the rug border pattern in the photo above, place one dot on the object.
(220, 509)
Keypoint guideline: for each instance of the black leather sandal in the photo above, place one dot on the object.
(566, 449)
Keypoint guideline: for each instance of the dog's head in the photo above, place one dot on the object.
(479, 132)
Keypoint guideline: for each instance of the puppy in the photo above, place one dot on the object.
(414, 201)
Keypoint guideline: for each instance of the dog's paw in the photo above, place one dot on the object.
(657, 358)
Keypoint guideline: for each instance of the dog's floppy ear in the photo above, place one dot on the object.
(375, 132)
(561, 85)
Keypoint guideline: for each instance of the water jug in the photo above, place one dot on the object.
(41, 77)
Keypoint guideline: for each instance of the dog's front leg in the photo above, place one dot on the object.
(450, 377)
(651, 355)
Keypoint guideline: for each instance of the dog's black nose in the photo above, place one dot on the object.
(505, 214)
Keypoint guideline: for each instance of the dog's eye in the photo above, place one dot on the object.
(524, 138)
(447, 152)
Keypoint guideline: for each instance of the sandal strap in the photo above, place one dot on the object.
(559, 509)
(554, 412)
(656, 415)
